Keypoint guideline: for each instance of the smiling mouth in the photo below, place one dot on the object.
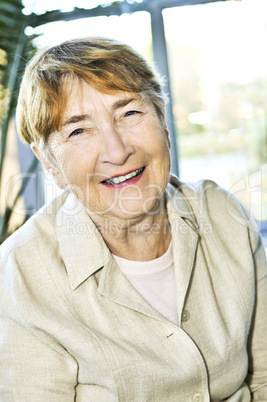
(123, 178)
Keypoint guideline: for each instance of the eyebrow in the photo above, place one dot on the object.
(121, 103)
(81, 117)
(75, 119)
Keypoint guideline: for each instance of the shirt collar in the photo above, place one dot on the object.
(82, 247)
(178, 204)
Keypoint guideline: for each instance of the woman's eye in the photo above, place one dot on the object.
(131, 112)
(77, 132)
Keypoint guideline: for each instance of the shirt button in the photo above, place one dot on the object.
(198, 398)
(185, 315)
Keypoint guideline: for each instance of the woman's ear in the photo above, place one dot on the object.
(41, 157)
(50, 167)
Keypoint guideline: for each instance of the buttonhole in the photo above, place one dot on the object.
(169, 335)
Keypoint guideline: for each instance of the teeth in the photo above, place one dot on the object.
(120, 179)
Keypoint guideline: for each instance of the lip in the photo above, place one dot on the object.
(126, 183)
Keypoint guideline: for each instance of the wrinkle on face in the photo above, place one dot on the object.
(80, 160)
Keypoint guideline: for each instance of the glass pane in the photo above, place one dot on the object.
(218, 69)
(123, 27)
(41, 6)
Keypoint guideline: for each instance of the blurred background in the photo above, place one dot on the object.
(213, 56)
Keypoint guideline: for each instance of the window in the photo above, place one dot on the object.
(218, 73)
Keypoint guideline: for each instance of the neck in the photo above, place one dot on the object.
(142, 239)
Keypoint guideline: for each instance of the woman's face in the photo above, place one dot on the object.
(112, 151)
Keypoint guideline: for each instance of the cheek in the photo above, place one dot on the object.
(160, 152)
(165, 145)
(159, 144)
(57, 150)
(78, 166)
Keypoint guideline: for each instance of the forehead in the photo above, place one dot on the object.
(77, 93)
(83, 101)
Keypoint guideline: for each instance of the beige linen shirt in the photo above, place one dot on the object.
(72, 328)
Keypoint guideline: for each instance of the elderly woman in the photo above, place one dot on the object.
(130, 286)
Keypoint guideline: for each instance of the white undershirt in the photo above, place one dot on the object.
(155, 281)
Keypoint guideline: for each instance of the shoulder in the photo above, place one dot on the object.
(34, 236)
(210, 204)
(24, 261)
(203, 191)
(207, 197)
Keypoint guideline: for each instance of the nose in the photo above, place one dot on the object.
(115, 150)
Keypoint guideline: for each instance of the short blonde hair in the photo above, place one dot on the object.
(103, 63)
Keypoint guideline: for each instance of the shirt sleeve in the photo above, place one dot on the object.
(257, 343)
(33, 370)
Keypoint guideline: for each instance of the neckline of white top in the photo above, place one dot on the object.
(130, 267)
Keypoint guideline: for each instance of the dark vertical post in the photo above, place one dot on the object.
(161, 60)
